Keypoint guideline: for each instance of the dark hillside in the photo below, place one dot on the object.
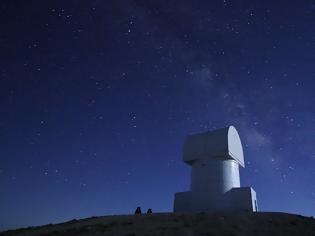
(179, 224)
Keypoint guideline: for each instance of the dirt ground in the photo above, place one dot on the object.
(167, 224)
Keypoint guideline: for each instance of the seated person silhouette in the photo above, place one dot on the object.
(138, 211)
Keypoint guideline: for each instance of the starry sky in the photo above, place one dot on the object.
(97, 98)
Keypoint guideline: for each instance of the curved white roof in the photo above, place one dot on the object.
(235, 145)
(223, 142)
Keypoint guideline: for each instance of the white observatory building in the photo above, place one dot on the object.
(215, 158)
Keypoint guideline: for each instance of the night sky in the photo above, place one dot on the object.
(97, 98)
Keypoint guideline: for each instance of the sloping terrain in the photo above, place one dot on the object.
(253, 224)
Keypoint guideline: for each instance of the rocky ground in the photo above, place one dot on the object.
(253, 224)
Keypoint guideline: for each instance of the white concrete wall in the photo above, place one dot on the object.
(210, 179)
(254, 200)
(242, 199)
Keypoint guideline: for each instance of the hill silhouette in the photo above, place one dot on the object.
(260, 223)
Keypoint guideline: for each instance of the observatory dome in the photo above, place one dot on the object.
(221, 143)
